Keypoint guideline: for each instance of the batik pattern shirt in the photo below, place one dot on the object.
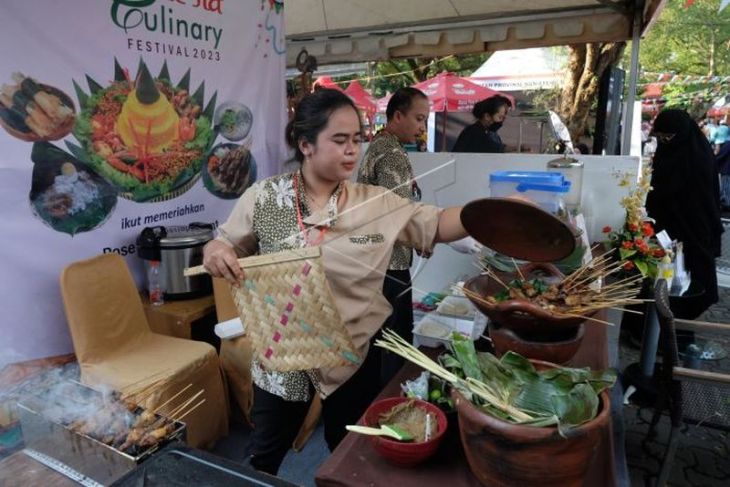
(356, 250)
(386, 164)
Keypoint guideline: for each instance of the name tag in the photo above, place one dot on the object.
(369, 239)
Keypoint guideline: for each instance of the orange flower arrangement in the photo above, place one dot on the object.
(636, 243)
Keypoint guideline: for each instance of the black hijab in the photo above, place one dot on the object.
(685, 200)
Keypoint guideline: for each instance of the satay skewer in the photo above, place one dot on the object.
(179, 418)
(175, 411)
(172, 398)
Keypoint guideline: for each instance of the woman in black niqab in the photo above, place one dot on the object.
(685, 200)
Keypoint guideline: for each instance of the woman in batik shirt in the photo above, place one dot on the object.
(356, 227)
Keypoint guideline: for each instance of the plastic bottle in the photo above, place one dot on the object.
(153, 279)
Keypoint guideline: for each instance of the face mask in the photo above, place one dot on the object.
(495, 126)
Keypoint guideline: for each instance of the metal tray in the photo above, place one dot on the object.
(87, 456)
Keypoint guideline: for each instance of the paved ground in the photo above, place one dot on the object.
(703, 456)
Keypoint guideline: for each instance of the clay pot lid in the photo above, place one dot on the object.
(519, 229)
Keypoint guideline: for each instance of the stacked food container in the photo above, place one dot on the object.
(548, 189)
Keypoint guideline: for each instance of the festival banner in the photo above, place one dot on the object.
(116, 115)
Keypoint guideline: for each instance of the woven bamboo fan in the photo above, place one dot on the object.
(289, 313)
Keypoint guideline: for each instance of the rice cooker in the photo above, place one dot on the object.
(177, 248)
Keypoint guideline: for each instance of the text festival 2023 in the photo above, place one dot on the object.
(133, 14)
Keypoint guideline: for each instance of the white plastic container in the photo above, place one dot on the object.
(435, 330)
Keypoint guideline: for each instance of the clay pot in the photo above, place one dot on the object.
(506, 454)
(520, 315)
(558, 346)
(404, 454)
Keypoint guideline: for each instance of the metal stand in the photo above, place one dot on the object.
(649, 343)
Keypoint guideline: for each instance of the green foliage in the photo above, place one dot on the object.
(692, 40)
(388, 76)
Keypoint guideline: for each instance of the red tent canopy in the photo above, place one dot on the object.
(362, 98)
(382, 103)
(451, 93)
(326, 82)
(653, 90)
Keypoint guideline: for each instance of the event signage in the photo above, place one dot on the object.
(116, 115)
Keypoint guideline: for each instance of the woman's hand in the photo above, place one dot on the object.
(220, 260)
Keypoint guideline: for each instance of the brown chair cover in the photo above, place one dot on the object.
(115, 347)
(235, 355)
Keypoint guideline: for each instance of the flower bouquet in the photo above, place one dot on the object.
(636, 242)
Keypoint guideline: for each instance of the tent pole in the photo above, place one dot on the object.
(633, 76)
(443, 143)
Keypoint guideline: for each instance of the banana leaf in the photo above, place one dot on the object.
(564, 397)
(81, 95)
(94, 87)
(118, 71)
(466, 354)
(184, 83)
(164, 72)
(199, 95)
(210, 108)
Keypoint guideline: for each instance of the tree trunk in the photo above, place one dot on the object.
(586, 66)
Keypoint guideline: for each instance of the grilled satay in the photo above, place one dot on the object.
(145, 419)
(157, 435)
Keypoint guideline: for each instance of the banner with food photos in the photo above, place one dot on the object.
(118, 115)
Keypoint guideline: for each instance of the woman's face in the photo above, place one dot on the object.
(335, 154)
(498, 117)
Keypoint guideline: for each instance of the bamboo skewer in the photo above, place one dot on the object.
(177, 410)
(138, 390)
(179, 418)
(172, 398)
(492, 275)
(394, 343)
(620, 293)
(517, 268)
(587, 318)
(629, 311)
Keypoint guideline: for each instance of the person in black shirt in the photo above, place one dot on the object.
(482, 135)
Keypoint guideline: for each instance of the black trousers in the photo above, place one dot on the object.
(277, 422)
(397, 290)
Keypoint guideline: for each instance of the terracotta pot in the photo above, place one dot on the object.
(557, 346)
(404, 454)
(508, 455)
(516, 314)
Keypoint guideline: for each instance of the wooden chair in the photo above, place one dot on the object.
(236, 357)
(691, 396)
(116, 348)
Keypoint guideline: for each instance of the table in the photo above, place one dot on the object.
(354, 462)
(176, 318)
(19, 470)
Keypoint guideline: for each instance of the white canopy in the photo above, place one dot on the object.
(367, 30)
(522, 69)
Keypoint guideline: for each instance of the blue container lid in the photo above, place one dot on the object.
(550, 188)
(533, 177)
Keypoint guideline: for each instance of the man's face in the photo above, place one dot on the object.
(412, 124)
